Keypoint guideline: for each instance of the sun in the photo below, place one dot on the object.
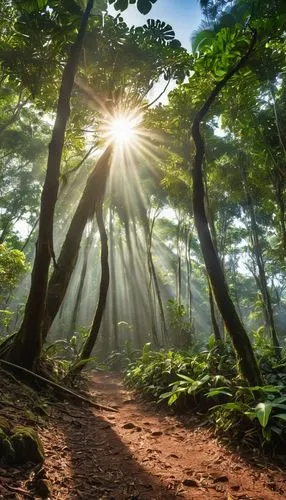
(123, 129)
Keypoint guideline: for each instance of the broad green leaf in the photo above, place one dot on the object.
(216, 392)
(282, 416)
(263, 411)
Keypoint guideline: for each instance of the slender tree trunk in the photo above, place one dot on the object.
(179, 265)
(262, 282)
(135, 305)
(113, 294)
(104, 284)
(27, 346)
(91, 198)
(189, 283)
(153, 278)
(80, 288)
(279, 187)
(241, 342)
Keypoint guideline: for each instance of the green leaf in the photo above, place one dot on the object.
(282, 416)
(173, 399)
(216, 392)
(184, 377)
(263, 411)
(144, 6)
(121, 5)
(175, 43)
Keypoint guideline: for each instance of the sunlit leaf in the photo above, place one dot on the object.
(263, 411)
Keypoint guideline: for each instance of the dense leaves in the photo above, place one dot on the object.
(144, 6)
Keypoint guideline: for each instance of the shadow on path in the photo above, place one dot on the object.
(96, 463)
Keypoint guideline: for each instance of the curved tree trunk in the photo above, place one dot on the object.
(104, 284)
(27, 346)
(91, 199)
(248, 364)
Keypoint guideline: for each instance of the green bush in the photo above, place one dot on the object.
(208, 382)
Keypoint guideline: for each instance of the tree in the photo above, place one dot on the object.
(27, 346)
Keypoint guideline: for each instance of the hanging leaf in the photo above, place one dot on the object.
(159, 31)
(175, 43)
(144, 6)
(263, 411)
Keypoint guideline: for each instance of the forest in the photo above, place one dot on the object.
(142, 250)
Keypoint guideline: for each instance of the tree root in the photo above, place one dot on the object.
(18, 490)
(59, 387)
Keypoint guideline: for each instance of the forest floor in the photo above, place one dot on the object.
(138, 452)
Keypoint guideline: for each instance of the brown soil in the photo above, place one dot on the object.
(139, 452)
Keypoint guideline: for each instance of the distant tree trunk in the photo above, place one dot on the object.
(189, 282)
(27, 346)
(248, 364)
(133, 271)
(104, 284)
(113, 294)
(262, 281)
(179, 265)
(91, 198)
(153, 277)
(80, 287)
(279, 186)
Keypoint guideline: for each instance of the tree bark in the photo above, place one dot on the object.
(248, 364)
(104, 284)
(113, 294)
(27, 346)
(216, 329)
(262, 281)
(80, 288)
(91, 199)
(154, 279)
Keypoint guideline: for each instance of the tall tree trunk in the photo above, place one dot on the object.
(262, 282)
(135, 304)
(91, 198)
(27, 346)
(216, 318)
(241, 342)
(113, 294)
(80, 287)
(154, 279)
(189, 267)
(104, 284)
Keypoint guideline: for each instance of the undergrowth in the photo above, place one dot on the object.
(209, 383)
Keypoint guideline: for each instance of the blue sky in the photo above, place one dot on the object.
(183, 15)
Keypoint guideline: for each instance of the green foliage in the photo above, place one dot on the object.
(264, 419)
(12, 267)
(154, 371)
(251, 415)
(61, 355)
(122, 358)
(144, 6)
(219, 54)
(180, 324)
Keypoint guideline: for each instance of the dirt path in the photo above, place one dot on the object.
(140, 453)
